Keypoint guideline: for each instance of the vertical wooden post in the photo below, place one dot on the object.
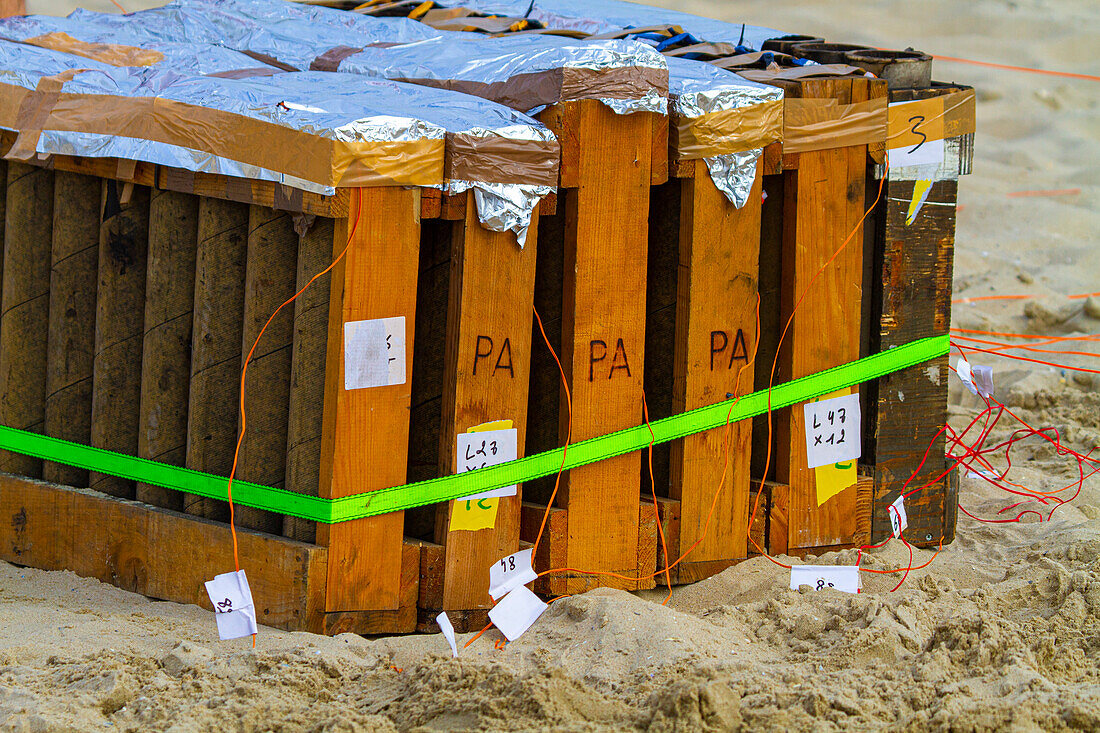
(270, 276)
(166, 352)
(25, 307)
(12, 7)
(216, 345)
(364, 440)
(603, 330)
(307, 374)
(715, 334)
(824, 201)
(487, 369)
(119, 327)
(73, 277)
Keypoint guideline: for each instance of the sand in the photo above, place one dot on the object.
(1000, 632)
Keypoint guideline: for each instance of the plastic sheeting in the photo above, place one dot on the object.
(312, 131)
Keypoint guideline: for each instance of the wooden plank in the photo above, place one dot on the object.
(156, 552)
(659, 153)
(365, 433)
(216, 346)
(267, 194)
(307, 373)
(603, 331)
(166, 349)
(550, 551)
(119, 327)
(71, 339)
(913, 273)
(824, 201)
(487, 368)
(12, 7)
(25, 299)
(401, 620)
(269, 281)
(715, 337)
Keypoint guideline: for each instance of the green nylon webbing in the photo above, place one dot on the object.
(437, 490)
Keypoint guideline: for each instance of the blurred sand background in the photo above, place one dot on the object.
(1001, 632)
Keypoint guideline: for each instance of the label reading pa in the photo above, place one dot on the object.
(832, 430)
(374, 353)
(483, 449)
(233, 609)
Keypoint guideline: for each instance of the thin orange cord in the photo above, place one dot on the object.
(244, 373)
(568, 434)
(478, 635)
(118, 5)
(1049, 339)
(653, 492)
(1007, 67)
(979, 298)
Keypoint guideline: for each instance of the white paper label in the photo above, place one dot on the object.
(448, 630)
(516, 612)
(233, 609)
(479, 450)
(832, 431)
(978, 379)
(898, 520)
(929, 152)
(510, 572)
(839, 577)
(374, 353)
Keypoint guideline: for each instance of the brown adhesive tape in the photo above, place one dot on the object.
(224, 134)
(823, 124)
(112, 54)
(944, 117)
(729, 131)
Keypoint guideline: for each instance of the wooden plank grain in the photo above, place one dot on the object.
(603, 331)
(487, 370)
(365, 432)
(715, 339)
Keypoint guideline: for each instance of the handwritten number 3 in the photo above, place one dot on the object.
(917, 120)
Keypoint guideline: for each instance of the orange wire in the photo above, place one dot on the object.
(244, 373)
(1078, 296)
(1007, 67)
(1006, 347)
(568, 434)
(1087, 337)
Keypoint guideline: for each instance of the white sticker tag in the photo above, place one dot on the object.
(983, 379)
(482, 449)
(929, 152)
(516, 612)
(898, 520)
(448, 630)
(839, 577)
(832, 430)
(979, 473)
(233, 609)
(510, 572)
(374, 353)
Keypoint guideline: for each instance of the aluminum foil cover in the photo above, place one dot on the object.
(697, 89)
(517, 71)
(606, 16)
(439, 109)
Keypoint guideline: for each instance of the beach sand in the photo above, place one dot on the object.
(1000, 632)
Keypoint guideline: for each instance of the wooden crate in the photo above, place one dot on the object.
(642, 283)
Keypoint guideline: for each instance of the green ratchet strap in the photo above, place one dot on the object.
(433, 491)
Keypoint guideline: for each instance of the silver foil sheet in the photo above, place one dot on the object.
(605, 16)
(502, 69)
(697, 89)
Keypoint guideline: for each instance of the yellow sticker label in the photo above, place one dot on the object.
(474, 515)
(834, 478)
(469, 515)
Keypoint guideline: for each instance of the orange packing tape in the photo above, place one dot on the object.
(823, 124)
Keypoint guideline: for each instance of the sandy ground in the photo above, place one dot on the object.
(1002, 631)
